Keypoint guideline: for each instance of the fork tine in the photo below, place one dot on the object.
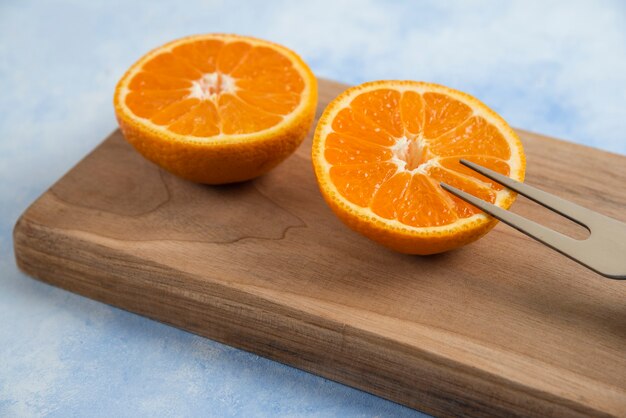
(555, 240)
(572, 211)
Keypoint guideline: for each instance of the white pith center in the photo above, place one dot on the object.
(410, 154)
(211, 85)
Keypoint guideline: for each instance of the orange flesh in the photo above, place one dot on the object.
(389, 149)
(207, 87)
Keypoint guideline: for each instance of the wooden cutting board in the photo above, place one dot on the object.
(501, 327)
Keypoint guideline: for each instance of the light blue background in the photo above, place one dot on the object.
(557, 68)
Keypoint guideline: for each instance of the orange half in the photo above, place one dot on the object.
(217, 108)
(382, 148)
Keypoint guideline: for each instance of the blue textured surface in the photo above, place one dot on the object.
(558, 68)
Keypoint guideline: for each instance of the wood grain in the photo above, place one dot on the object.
(501, 327)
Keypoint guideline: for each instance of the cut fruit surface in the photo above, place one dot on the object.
(217, 108)
(382, 148)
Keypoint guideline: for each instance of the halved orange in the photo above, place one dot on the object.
(381, 149)
(217, 108)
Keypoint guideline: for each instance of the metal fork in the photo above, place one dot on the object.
(604, 251)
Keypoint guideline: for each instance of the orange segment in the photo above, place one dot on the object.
(422, 205)
(412, 109)
(381, 150)
(217, 108)
(266, 70)
(149, 102)
(231, 55)
(350, 123)
(463, 182)
(382, 108)
(278, 103)
(495, 164)
(442, 114)
(389, 200)
(238, 117)
(201, 54)
(344, 150)
(201, 120)
(358, 183)
(170, 65)
(145, 81)
(171, 113)
(474, 136)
